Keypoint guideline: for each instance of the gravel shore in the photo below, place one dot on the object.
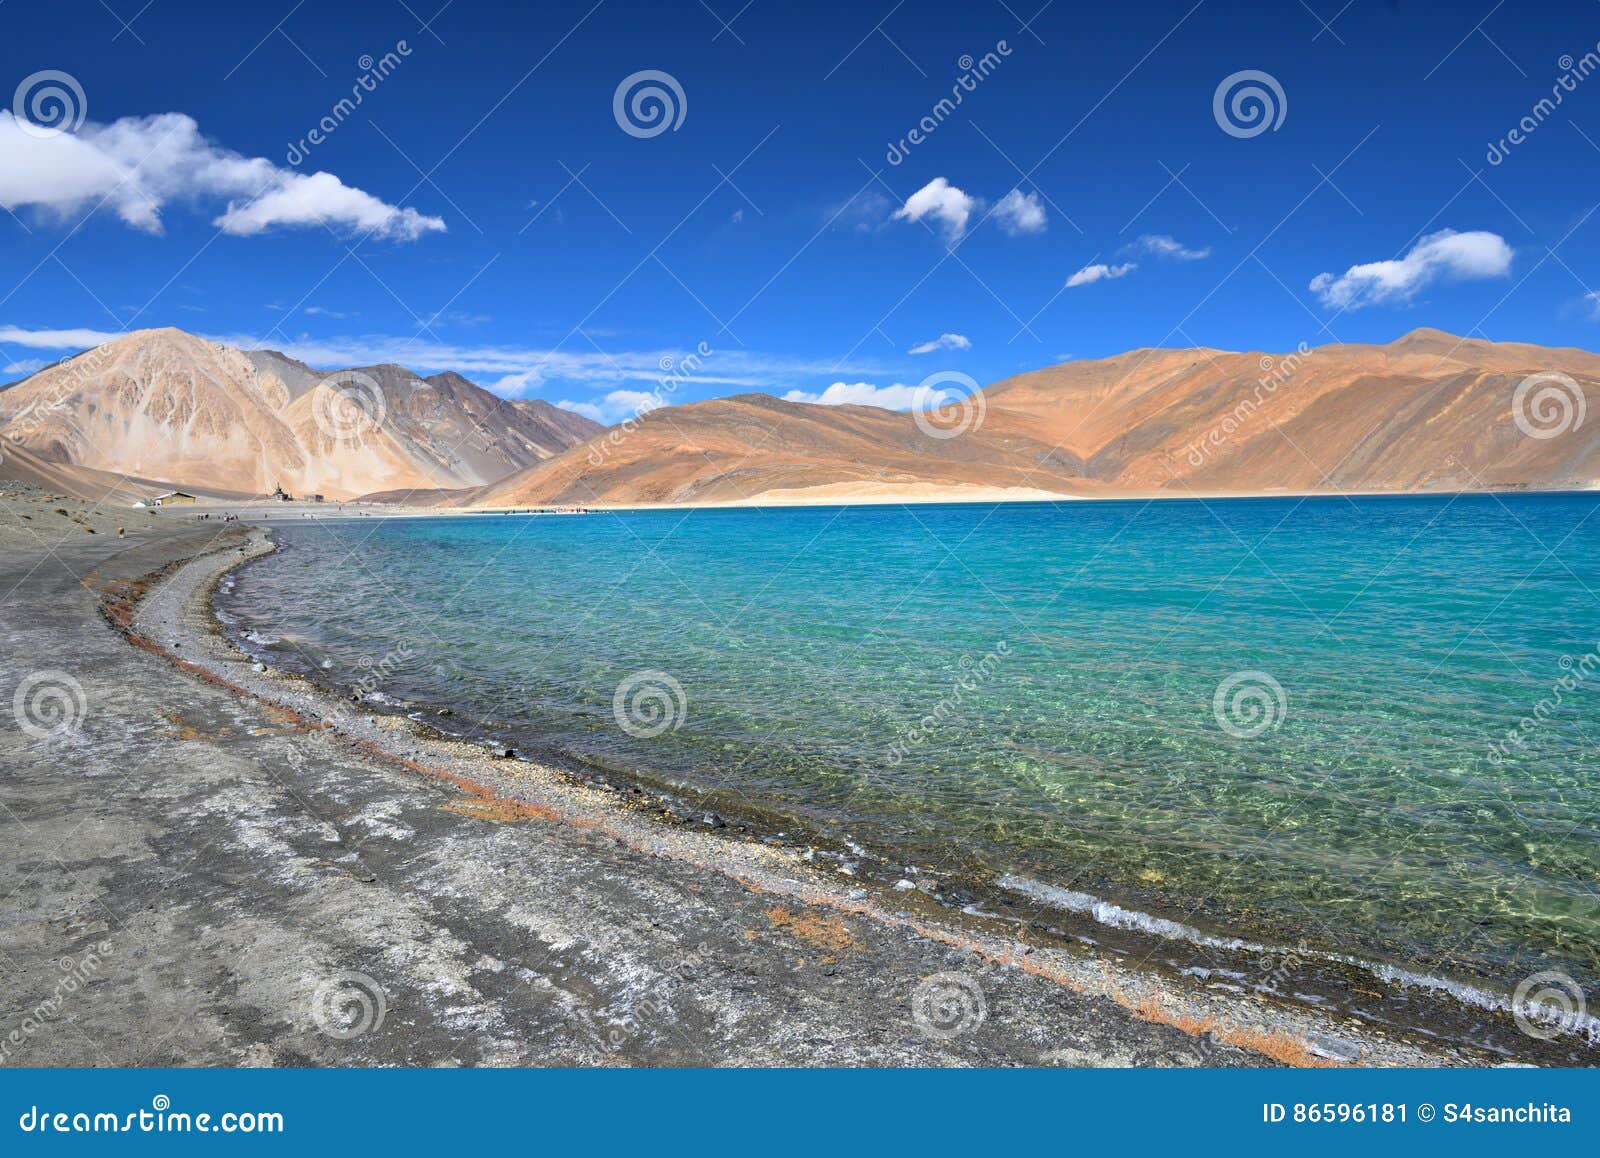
(219, 864)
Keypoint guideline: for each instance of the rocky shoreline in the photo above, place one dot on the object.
(270, 842)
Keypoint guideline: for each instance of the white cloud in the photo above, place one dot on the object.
(1019, 212)
(137, 165)
(944, 203)
(1162, 245)
(1100, 271)
(896, 397)
(942, 342)
(54, 339)
(510, 371)
(26, 366)
(1442, 255)
(616, 405)
(587, 409)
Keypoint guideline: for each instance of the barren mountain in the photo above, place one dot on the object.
(106, 488)
(1426, 412)
(165, 404)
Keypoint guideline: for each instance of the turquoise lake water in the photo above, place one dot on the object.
(1029, 693)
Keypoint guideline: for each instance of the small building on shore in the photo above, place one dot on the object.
(172, 498)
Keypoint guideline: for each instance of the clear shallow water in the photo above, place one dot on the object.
(1029, 690)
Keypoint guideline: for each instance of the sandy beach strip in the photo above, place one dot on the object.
(254, 866)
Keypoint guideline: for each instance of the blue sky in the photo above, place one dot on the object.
(484, 209)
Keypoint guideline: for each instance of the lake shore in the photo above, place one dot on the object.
(242, 840)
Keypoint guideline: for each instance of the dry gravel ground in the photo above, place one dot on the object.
(194, 875)
(36, 520)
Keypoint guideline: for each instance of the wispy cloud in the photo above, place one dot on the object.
(1100, 271)
(1445, 255)
(54, 339)
(1019, 213)
(512, 371)
(1170, 248)
(137, 166)
(615, 405)
(942, 342)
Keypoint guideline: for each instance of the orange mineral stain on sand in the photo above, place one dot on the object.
(827, 933)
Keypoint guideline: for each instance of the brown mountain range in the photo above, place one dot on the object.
(1426, 412)
(166, 405)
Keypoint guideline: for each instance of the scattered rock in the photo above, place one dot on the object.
(1334, 1049)
(715, 821)
(902, 885)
